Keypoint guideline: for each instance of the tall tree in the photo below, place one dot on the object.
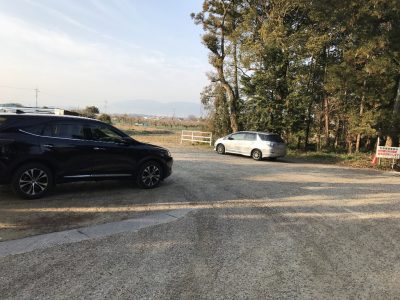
(219, 20)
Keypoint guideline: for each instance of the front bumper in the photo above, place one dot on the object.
(168, 166)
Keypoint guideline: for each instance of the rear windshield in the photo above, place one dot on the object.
(271, 138)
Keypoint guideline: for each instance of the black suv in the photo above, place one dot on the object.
(38, 151)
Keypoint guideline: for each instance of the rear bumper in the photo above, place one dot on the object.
(274, 153)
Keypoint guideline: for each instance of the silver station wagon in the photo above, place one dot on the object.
(258, 145)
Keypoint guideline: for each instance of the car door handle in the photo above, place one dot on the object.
(50, 146)
(99, 148)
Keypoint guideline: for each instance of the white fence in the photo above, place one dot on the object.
(196, 137)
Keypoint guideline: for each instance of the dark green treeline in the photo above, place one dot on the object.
(325, 74)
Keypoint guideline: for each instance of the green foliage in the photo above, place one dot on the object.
(105, 118)
(88, 112)
(214, 99)
(318, 72)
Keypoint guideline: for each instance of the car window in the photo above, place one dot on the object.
(104, 133)
(250, 137)
(271, 138)
(238, 136)
(34, 129)
(64, 130)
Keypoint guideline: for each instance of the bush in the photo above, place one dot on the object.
(104, 118)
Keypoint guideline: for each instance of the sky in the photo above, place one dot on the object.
(115, 54)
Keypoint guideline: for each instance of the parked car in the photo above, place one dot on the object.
(258, 145)
(39, 151)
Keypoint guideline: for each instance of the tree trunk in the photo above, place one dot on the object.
(361, 115)
(320, 130)
(235, 70)
(298, 143)
(309, 90)
(350, 145)
(232, 97)
(393, 139)
(308, 128)
(368, 143)
(326, 101)
(337, 133)
(326, 120)
(232, 101)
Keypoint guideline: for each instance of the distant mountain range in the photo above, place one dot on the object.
(155, 108)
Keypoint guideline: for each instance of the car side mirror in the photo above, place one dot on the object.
(230, 138)
(127, 141)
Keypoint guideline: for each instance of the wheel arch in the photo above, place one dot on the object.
(32, 161)
(220, 144)
(157, 160)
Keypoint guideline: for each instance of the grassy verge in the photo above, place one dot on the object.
(356, 160)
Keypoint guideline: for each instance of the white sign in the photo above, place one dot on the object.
(388, 152)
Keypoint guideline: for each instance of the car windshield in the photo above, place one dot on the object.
(271, 138)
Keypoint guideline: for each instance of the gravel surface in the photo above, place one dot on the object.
(259, 230)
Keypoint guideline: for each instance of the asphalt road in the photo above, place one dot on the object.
(259, 230)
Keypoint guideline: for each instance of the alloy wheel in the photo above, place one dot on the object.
(33, 182)
(151, 176)
(221, 149)
(256, 154)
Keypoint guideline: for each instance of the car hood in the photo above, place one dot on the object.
(154, 147)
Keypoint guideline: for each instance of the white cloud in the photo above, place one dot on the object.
(74, 72)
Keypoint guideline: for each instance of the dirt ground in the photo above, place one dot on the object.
(77, 205)
(82, 204)
(284, 229)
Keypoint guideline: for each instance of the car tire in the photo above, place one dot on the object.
(32, 181)
(150, 175)
(256, 154)
(220, 149)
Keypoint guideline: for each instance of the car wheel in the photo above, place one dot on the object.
(220, 149)
(256, 154)
(32, 181)
(150, 175)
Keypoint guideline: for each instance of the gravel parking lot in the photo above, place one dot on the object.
(260, 229)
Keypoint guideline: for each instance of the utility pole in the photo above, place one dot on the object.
(36, 93)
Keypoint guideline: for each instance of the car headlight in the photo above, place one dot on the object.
(167, 153)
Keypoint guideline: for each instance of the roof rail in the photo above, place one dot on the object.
(32, 110)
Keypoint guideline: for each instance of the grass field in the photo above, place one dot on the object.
(163, 136)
